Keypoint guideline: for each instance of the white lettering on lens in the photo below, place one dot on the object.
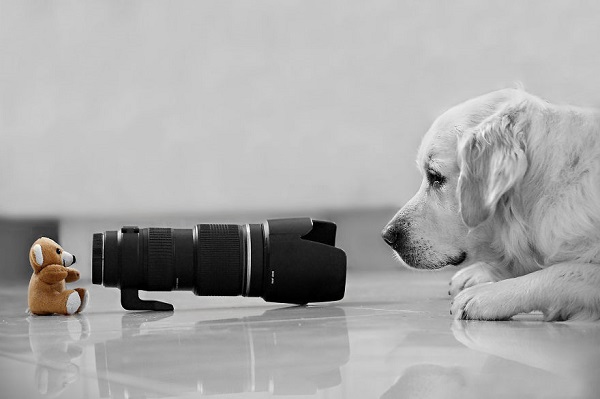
(272, 276)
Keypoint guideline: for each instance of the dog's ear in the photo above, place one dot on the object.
(493, 161)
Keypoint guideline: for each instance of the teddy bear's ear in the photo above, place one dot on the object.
(38, 256)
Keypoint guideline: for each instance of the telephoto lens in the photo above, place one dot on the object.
(281, 260)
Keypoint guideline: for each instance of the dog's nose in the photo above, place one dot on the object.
(389, 235)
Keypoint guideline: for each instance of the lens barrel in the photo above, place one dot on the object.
(282, 260)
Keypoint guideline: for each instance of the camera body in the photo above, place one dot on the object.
(281, 260)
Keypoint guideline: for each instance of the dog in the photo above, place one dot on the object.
(511, 192)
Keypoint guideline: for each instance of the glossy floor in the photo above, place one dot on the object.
(391, 337)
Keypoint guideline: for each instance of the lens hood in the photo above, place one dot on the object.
(304, 265)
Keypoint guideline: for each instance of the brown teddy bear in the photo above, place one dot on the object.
(47, 290)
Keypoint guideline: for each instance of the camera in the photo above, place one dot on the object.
(281, 260)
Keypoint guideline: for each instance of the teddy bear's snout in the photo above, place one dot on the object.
(67, 259)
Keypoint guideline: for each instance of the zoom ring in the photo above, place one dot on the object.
(220, 268)
(160, 259)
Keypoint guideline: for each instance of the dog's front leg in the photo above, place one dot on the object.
(564, 291)
(477, 273)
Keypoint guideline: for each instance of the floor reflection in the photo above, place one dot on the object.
(57, 353)
(296, 350)
(392, 338)
(510, 359)
(562, 351)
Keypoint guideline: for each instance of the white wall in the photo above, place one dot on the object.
(130, 107)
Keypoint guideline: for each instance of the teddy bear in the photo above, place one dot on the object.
(47, 290)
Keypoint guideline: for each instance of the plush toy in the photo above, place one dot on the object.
(47, 290)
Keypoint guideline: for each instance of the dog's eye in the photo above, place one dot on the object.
(435, 179)
(58, 251)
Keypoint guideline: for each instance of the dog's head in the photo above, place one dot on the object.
(472, 159)
(45, 252)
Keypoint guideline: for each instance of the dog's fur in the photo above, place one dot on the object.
(511, 190)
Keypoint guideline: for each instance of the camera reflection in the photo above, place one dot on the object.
(302, 355)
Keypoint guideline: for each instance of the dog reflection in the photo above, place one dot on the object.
(512, 359)
(566, 351)
(429, 381)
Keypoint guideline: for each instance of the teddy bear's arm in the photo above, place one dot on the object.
(73, 274)
(52, 274)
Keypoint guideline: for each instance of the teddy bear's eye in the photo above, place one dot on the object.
(58, 251)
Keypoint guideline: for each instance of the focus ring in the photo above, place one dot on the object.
(97, 258)
(160, 271)
(220, 266)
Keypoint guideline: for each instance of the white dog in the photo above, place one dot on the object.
(511, 189)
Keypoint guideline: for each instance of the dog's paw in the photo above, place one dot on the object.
(487, 301)
(475, 274)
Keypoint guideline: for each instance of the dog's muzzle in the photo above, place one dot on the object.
(395, 236)
(389, 235)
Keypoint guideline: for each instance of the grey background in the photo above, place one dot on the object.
(174, 113)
